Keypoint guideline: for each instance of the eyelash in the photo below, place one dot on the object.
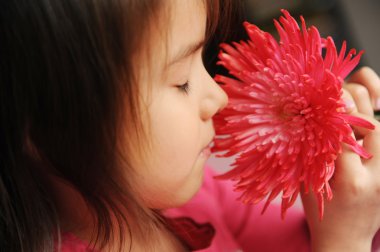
(185, 88)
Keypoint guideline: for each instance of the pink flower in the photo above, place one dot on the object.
(285, 119)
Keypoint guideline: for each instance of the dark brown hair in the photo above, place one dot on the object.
(66, 85)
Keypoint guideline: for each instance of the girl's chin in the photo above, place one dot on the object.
(190, 191)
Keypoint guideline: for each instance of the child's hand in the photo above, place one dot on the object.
(364, 86)
(352, 217)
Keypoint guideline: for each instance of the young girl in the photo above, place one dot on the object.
(106, 125)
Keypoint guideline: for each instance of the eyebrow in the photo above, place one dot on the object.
(186, 51)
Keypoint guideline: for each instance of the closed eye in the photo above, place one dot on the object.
(185, 88)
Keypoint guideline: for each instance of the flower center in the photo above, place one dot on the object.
(294, 106)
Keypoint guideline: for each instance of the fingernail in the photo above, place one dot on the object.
(350, 105)
(377, 104)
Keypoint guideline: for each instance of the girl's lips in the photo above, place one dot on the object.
(206, 152)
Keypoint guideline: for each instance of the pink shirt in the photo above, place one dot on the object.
(238, 227)
(242, 227)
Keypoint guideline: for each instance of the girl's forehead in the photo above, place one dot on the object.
(178, 32)
(187, 27)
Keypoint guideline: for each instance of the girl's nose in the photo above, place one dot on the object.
(215, 98)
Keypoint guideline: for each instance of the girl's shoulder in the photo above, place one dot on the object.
(71, 243)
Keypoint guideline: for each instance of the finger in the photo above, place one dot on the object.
(348, 163)
(360, 95)
(371, 138)
(368, 78)
(310, 205)
(347, 160)
(351, 108)
(362, 130)
(371, 142)
(349, 102)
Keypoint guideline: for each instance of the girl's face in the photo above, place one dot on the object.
(181, 98)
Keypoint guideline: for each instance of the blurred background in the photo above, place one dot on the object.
(355, 21)
(352, 20)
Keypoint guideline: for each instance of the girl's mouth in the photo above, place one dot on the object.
(206, 152)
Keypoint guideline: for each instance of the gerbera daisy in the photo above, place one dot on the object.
(285, 120)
